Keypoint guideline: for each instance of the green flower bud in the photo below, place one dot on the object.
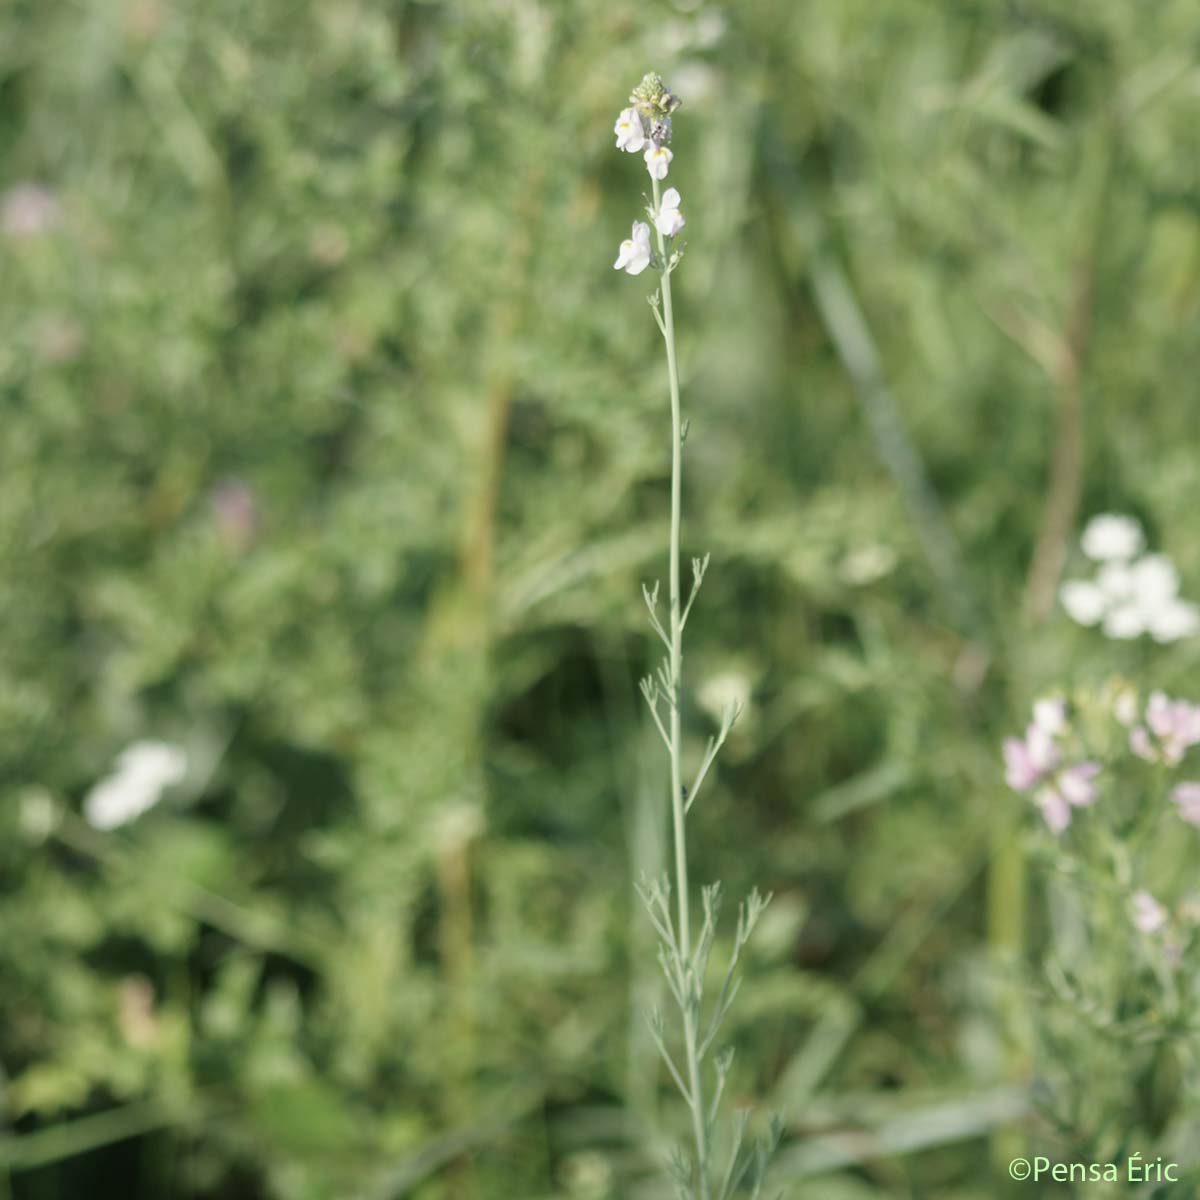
(653, 99)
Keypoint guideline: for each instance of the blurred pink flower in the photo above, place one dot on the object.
(1076, 786)
(1187, 796)
(235, 513)
(1055, 810)
(1028, 761)
(1036, 758)
(1175, 725)
(1072, 788)
(1148, 915)
(58, 339)
(28, 210)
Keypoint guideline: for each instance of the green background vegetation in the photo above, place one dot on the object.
(333, 450)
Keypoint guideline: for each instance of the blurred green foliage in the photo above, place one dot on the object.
(334, 451)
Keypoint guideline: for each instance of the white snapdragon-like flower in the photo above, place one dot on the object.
(631, 135)
(143, 771)
(1112, 536)
(634, 256)
(669, 220)
(658, 159)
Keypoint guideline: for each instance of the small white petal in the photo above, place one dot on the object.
(1174, 620)
(1155, 580)
(1111, 536)
(1039, 744)
(1084, 601)
(1116, 581)
(158, 763)
(1055, 810)
(638, 262)
(1050, 714)
(669, 223)
(1148, 915)
(1125, 707)
(1125, 622)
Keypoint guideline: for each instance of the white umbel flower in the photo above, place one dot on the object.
(631, 135)
(1112, 536)
(669, 220)
(634, 256)
(143, 771)
(1132, 594)
(658, 159)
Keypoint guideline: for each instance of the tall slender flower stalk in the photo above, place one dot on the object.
(645, 127)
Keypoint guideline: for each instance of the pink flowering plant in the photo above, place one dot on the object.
(1039, 763)
(688, 1044)
(1113, 777)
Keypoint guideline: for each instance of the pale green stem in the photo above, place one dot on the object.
(676, 734)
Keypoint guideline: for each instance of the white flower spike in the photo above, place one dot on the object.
(634, 256)
(669, 220)
(631, 136)
(658, 159)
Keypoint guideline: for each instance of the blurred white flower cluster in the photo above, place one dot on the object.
(142, 773)
(1131, 593)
